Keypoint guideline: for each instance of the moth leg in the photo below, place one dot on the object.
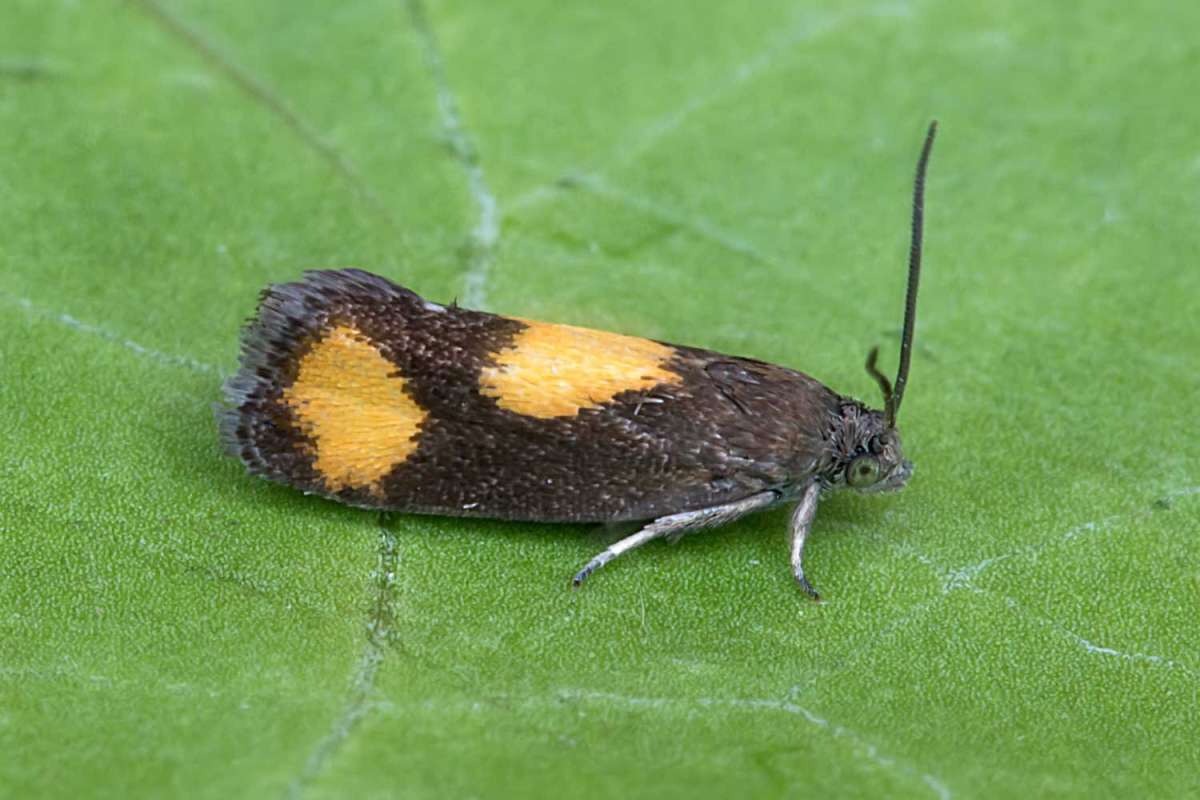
(676, 525)
(802, 517)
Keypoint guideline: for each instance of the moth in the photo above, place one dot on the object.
(361, 391)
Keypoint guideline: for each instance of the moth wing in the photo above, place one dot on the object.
(360, 390)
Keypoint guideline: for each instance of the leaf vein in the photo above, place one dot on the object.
(381, 620)
(259, 92)
(485, 235)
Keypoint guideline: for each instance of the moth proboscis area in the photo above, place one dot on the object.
(359, 390)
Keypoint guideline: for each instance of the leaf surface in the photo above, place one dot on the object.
(1020, 621)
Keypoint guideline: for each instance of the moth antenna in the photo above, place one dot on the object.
(885, 385)
(893, 398)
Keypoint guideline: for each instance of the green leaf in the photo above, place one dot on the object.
(1020, 621)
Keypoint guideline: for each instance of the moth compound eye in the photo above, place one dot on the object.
(863, 471)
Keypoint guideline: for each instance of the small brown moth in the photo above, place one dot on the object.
(359, 390)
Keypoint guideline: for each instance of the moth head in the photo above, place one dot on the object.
(876, 462)
(870, 455)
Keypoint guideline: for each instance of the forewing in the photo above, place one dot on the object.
(357, 389)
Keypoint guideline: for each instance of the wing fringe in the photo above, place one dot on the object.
(288, 319)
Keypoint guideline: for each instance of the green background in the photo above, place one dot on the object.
(1021, 620)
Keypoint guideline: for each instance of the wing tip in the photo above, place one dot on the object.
(289, 316)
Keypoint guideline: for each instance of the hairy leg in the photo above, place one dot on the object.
(676, 525)
(802, 517)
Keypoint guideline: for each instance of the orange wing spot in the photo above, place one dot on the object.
(556, 370)
(350, 400)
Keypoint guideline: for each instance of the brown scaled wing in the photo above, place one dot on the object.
(357, 389)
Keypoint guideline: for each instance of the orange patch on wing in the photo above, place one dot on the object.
(556, 370)
(349, 398)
